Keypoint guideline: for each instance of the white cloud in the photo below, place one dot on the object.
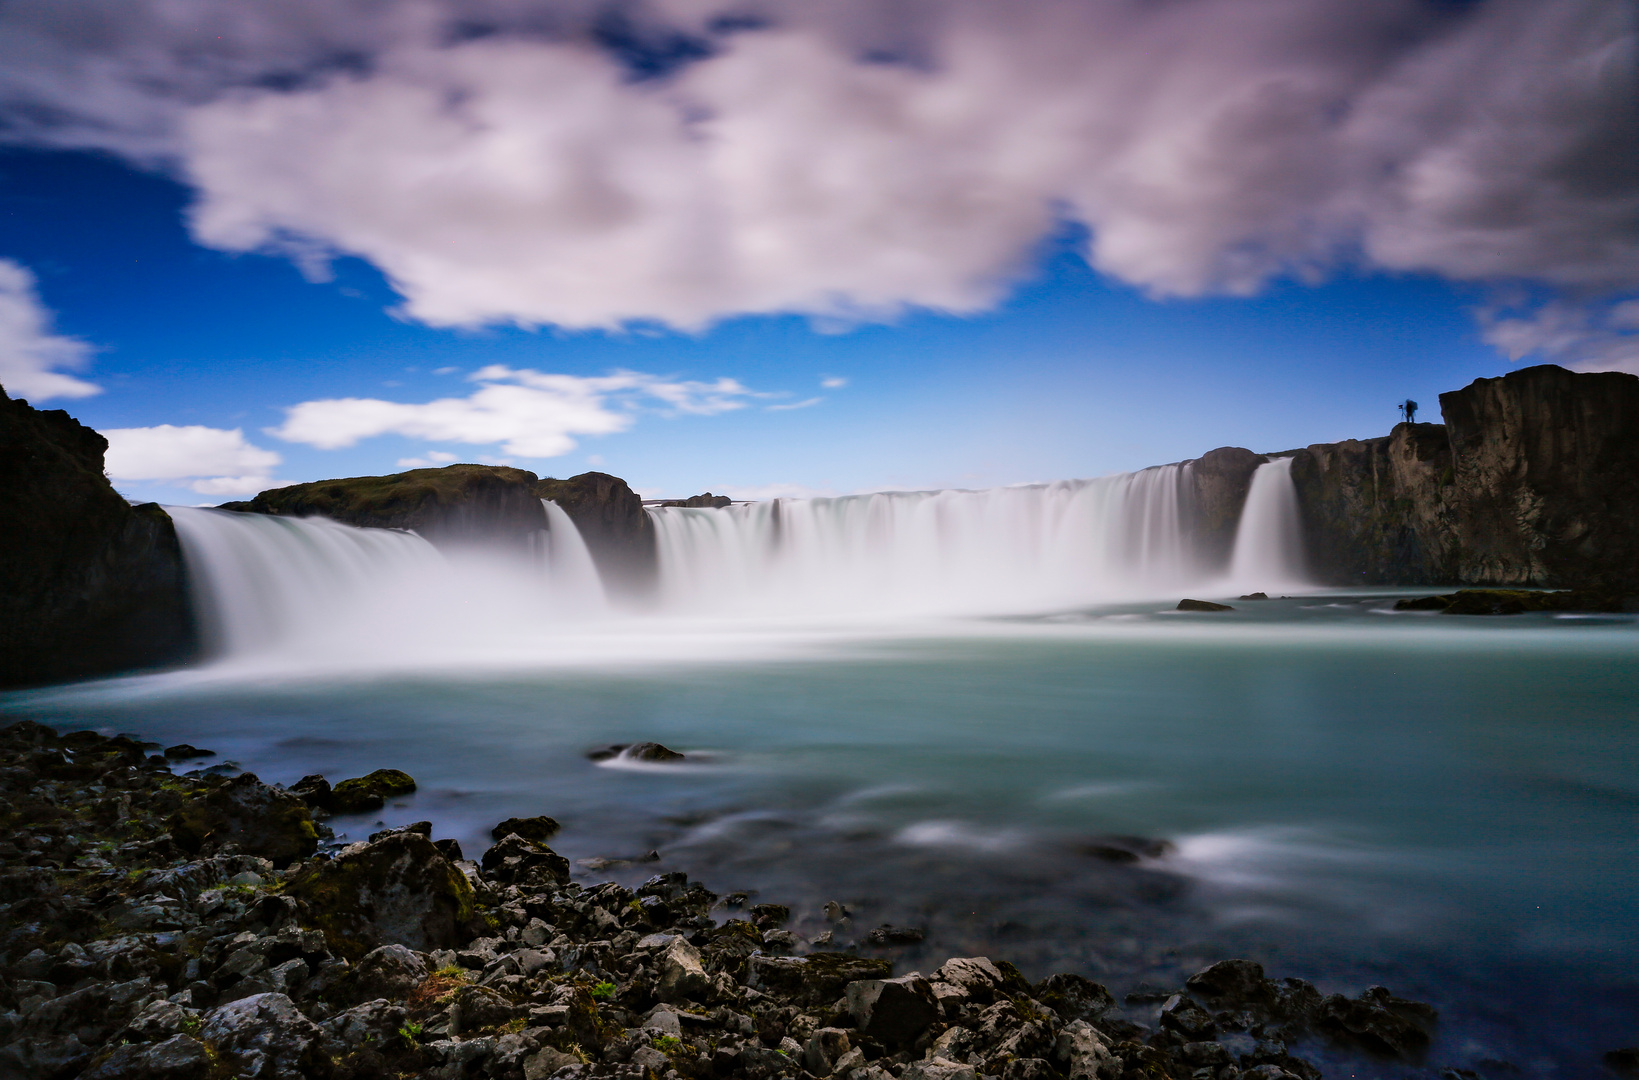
(525, 176)
(530, 413)
(432, 460)
(833, 382)
(29, 351)
(1583, 337)
(794, 405)
(211, 461)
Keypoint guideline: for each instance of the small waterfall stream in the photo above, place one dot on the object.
(1269, 541)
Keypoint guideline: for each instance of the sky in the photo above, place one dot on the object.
(775, 248)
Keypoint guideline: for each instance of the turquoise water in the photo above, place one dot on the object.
(1446, 806)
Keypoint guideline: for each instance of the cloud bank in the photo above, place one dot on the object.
(210, 461)
(684, 161)
(30, 354)
(530, 413)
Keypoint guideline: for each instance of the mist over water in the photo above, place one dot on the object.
(946, 708)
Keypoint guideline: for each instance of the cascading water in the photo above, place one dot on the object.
(1269, 540)
(1002, 550)
(314, 590)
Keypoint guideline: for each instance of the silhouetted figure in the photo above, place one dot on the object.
(1408, 409)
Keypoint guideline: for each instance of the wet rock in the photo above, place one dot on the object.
(895, 1012)
(314, 790)
(516, 860)
(1182, 1015)
(1379, 1023)
(261, 820)
(1202, 605)
(451, 849)
(1073, 997)
(682, 974)
(815, 979)
(1256, 596)
(540, 828)
(399, 889)
(370, 792)
(264, 1036)
(886, 935)
(982, 978)
(391, 971)
(1232, 982)
(1623, 1062)
(643, 751)
(182, 752)
(546, 1063)
(1029, 1069)
(180, 1057)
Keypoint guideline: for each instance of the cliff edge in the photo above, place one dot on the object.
(89, 584)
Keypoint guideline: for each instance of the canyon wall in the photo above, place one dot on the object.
(1532, 480)
(89, 584)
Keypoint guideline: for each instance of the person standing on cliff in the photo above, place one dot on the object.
(1408, 409)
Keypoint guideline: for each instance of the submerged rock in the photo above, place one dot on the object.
(643, 751)
(370, 792)
(1518, 601)
(1202, 605)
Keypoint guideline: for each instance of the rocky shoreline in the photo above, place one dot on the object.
(199, 926)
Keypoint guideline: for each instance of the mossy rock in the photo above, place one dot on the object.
(261, 820)
(398, 890)
(370, 792)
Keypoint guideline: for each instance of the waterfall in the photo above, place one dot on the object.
(1269, 540)
(266, 586)
(1001, 550)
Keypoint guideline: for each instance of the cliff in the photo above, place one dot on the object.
(454, 506)
(89, 585)
(1532, 480)
(1547, 477)
(612, 521)
(1219, 480)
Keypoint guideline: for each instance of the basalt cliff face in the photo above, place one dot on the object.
(1532, 480)
(89, 585)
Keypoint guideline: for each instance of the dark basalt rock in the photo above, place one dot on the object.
(89, 584)
(518, 859)
(815, 979)
(182, 752)
(895, 1012)
(1074, 997)
(258, 819)
(708, 501)
(1202, 605)
(314, 790)
(610, 517)
(1518, 601)
(643, 751)
(540, 829)
(399, 889)
(456, 506)
(370, 792)
(1219, 481)
(885, 935)
(1379, 1023)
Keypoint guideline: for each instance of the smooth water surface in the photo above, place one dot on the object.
(1443, 805)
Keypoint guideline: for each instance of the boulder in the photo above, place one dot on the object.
(886, 935)
(399, 889)
(89, 584)
(895, 1012)
(477, 1008)
(1202, 605)
(824, 1049)
(682, 974)
(1232, 982)
(939, 1069)
(540, 829)
(1379, 1023)
(180, 1057)
(1084, 1054)
(1073, 997)
(816, 979)
(262, 820)
(370, 792)
(516, 860)
(264, 1036)
(390, 971)
(314, 790)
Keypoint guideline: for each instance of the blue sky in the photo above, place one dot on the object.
(209, 290)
